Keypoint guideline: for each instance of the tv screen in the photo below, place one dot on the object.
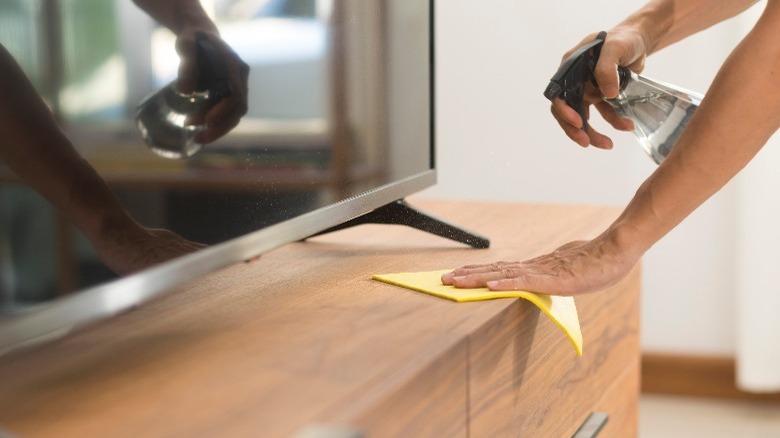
(339, 125)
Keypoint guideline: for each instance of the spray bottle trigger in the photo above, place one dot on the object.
(573, 74)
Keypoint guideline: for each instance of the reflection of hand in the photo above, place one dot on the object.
(226, 114)
(138, 248)
(624, 46)
(575, 268)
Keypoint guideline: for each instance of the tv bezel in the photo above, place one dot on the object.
(60, 316)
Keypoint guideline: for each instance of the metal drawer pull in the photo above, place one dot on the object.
(592, 425)
(329, 431)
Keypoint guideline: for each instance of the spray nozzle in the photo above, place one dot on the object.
(570, 79)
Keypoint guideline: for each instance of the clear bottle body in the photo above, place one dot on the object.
(164, 119)
(660, 112)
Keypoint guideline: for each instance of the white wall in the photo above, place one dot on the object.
(496, 140)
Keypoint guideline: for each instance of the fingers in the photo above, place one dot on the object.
(624, 46)
(509, 276)
(227, 113)
(479, 275)
(171, 242)
(501, 276)
(188, 65)
(449, 277)
(221, 119)
(615, 51)
(571, 123)
(607, 75)
(535, 283)
(135, 248)
(611, 116)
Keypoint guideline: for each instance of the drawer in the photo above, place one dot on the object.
(621, 403)
(526, 379)
(428, 401)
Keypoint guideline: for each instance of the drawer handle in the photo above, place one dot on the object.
(328, 431)
(592, 425)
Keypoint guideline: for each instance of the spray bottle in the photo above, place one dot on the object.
(659, 111)
(165, 117)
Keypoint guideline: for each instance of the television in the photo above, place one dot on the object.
(340, 129)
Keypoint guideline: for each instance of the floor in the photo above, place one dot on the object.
(684, 417)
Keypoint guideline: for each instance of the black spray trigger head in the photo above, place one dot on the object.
(569, 81)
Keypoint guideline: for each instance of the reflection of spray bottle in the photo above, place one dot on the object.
(165, 117)
(659, 111)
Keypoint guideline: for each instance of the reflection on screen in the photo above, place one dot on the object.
(338, 104)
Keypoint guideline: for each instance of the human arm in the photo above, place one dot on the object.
(33, 146)
(185, 18)
(739, 113)
(655, 26)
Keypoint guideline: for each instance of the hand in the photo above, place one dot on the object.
(575, 268)
(137, 248)
(624, 46)
(226, 114)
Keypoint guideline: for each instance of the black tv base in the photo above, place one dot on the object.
(401, 213)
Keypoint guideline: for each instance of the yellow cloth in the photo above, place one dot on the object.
(561, 310)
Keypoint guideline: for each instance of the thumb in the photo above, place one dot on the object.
(606, 74)
(188, 64)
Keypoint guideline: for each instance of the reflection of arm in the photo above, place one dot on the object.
(739, 113)
(177, 15)
(34, 147)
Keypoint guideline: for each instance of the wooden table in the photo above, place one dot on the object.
(302, 340)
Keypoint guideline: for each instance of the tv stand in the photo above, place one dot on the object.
(301, 342)
(401, 213)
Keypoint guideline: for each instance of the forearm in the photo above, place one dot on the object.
(663, 22)
(35, 149)
(738, 115)
(178, 15)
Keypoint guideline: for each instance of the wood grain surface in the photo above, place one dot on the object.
(303, 337)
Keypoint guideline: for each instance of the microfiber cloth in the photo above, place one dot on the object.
(561, 310)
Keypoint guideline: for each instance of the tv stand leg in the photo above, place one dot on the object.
(401, 213)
